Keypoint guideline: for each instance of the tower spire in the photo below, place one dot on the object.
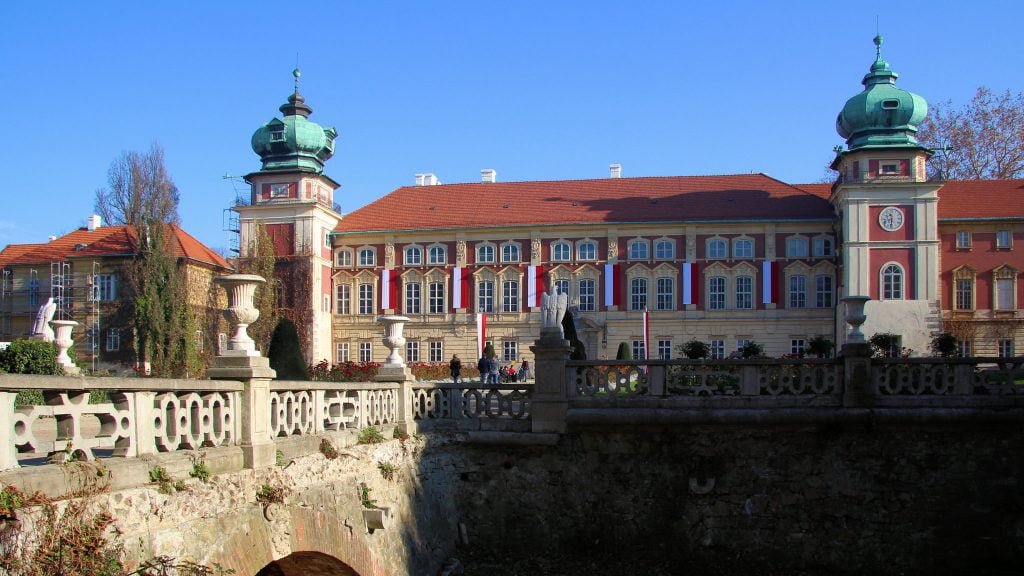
(296, 104)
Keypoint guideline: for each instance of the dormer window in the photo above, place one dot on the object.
(277, 135)
(890, 104)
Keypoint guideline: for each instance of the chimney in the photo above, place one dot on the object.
(615, 171)
(52, 238)
(419, 179)
(489, 175)
(430, 180)
(93, 222)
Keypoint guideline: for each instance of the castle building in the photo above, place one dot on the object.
(653, 262)
(84, 272)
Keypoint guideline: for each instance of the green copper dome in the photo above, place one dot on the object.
(882, 116)
(294, 142)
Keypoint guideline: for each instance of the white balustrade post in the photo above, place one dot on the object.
(395, 370)
(8, 452)
(144, 413)
(243, 362)
(62, 338)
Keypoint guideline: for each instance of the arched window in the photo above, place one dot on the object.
(485, 254)
(717, 248)
(586, 250)
(344, 258)
(510, 252)
(892, 282)
(742, 248)
(664, 249)
(367, 257)
(413, 256)
(638, 250)
(560, 252)
(437, 255)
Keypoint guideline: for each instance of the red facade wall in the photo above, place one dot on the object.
(283, 237)
(877, 233)
(902, 256)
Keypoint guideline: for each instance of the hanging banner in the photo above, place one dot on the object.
(769, 282)
(460, 288)
(388, 289)
(612, 284)
(534, 285)
(481, 332)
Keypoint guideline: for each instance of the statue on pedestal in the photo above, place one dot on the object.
(552, 309)
(41, 328)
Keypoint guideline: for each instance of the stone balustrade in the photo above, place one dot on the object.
(467, 406)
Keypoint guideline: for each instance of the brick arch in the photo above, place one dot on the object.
(307, 564)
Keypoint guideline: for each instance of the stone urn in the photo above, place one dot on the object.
(240, 312)
(393, 339)
(855, 317)
(62, 338)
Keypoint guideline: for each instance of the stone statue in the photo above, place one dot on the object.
(389, 255)
(552, 309)
(42, 328)
(460, 253)
(535, 250)
(613, 248)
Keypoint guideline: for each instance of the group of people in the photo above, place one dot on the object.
(492, 371)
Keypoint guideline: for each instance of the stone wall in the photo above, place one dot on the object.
(863, 494)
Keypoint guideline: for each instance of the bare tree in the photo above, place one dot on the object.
(984, 140)
(139, 190)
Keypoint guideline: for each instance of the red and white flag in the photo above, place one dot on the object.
(612, 284)
(647, 335)
(691, 283)
(481, 332)
(769, 282)
(460, 288)
(388, 289)
(534, 285)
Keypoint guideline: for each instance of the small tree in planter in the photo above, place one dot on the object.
(489, 350)
(819, 347)
(623, 352)
(944, 345)
(885, 345)
(696, 350)
(752, 350)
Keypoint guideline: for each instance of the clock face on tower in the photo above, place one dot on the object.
(891, 219)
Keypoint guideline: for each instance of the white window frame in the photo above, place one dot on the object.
(888, 167)
(485, 296)
(1004, 240)
(664, 349)
(435, 351)
(797, 346)
(796, 247)
(963, 240)
(561, 251)
(485, 253)
(742, 248)
(744, 286)
(888, 291)
(638, 290)
(412, 351)
(435, 296)
(586, 250)
(511, 252)
(437, 255)
(343, 299)
(638, 350)
(366, 351)
(367, 257)
(413, 297)
(113, 340)
(341, 352)
(716, 248)
(822, 247)
(278, 190)
(413, 255)
(824, 291)
(510, 296)
(797, 291)
(665, 293)
(366, 303)
(1005, 347)
(509, 350)
(717, 349)
(718, 292)
(344, 258)
(664, 249)
(586, 294)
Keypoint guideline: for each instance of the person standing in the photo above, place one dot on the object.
(483, 367)
(492, 370)
(525, 370)
(456, 368)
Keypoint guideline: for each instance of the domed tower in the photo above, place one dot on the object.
(294, 198)
(887, 208)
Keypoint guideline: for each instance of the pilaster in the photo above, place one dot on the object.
(255, 374)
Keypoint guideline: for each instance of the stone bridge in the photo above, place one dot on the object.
(856, 463)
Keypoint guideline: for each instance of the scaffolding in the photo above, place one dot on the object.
(233, 229)
(6, 303)
(61, 284)
(93, 322)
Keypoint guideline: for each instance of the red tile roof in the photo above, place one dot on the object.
(621, 200)
(981, 199)
(106, 241)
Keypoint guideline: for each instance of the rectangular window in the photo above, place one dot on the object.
(113, 340)
(587, 295)
(327, 303)
(797, 291)
(437, 255)
(638, 293)
(327, 239)
(562, 286)
(823, 291)
(742, 248)
(366, 299)
(278, 190)
(510, 296)
(666, 294)
(367, 257)
(345, 258)
(436, 350)
(343, 297)
(638, 250)
(1003, 239)
(741, 344)
(436, 297)
(1004, 293)
(560, 251)
(509, 350)
(639, 353)
(963, 240)
(964, 294)
(797, 346)
(341, 352)
(889, 168)
(104, 287)
(413, 256)
(963, 348)
(366, 352)
(412, 297)
(1005, 348)
(412, 351)
(485, 297)
(744, 292)
(717, 349)
(587, 251)
(716, 293)
(665, 349)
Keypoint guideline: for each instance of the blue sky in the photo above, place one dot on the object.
(536, 90)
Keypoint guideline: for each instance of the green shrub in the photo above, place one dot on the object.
(387, 470)
(199, 468)
(489, 350)
(944, 345)
(752, 350)
(820, 347)
(285, 353)
(30, 357)
(695, 349)
(370, 435)
(623, 353)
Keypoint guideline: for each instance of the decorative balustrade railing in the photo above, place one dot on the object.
(704, 379)
(140, 416)
(448, 401)
(948, 376)
(305, 408)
